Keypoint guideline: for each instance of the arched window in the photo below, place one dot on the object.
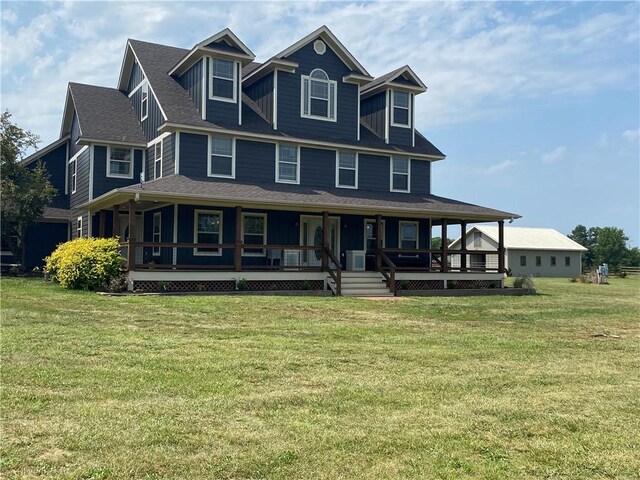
(318, 96)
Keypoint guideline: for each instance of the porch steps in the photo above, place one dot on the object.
(362, 284)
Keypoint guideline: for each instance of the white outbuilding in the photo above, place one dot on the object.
(541, 252)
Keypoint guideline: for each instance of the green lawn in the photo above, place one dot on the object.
(302, 387)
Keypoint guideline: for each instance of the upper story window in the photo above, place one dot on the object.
(287, 164)
(223, 80)
(120, 162)
(157, 160)
(318, 96)
(144, 101)
(400, 174)
(222, 161)
(347, 170)
(74, 175)
(401, 113)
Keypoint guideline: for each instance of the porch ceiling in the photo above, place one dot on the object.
(182, 189)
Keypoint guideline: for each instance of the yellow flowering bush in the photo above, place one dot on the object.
(85, 263)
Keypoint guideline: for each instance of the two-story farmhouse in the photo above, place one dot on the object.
(302, 171)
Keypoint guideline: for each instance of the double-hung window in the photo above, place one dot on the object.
(400, 174)
(144, 101)
(347, 170)
(222, 85)
(318, 96)
(287, 164)
(74, 175)
(207, 230)
(222, 157)
(408, 235)
(79, 227)
(254, 232)
(157, 229)
(401, 109)
(157, 160)
(119, 162)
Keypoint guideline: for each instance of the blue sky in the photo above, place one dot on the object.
(536, 104)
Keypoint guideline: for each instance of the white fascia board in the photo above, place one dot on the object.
(164, 115)
(43, 151)
(85, 140)
(357, 79)
(267, 67)
(301, 141)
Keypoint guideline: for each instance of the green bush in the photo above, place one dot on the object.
(526, 282)
(85, 263)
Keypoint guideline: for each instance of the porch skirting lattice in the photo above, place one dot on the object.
(225, 285)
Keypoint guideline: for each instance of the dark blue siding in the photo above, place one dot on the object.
(75, 213)
(400, 136)
(289, 85)
(255, 162)
(373, 172)
(75, 133)
(82, 180)
(261, 92)
(154, 119)
(169, 155)
(55, 163)
(317, 167)
(101, 183)
(135, 78)
(193, 155)
(191, 81)
(41, 239)
(420, 177)
(372, 112)
(225, 113)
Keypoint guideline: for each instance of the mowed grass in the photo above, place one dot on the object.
(194, 387)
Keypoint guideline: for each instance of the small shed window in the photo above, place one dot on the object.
(567, 261)
(477, 240)
(538, 261)
(553, 261)
(523, 260)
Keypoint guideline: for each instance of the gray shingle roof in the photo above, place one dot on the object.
(381, 79)
(52, 213)
(247, 69)
(305, 196)
(157, 60)
(106, 114)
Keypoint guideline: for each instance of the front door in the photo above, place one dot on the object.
(124, 235)
(311, 234)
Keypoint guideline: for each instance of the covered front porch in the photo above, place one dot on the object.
(215, 246)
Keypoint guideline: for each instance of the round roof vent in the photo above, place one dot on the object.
(319, 47)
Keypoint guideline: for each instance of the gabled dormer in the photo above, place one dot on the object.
(388, 103)
(212, 74)
(311, 88)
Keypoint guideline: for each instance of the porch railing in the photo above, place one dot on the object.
(334, 272)
(435, 260)
(384, 264)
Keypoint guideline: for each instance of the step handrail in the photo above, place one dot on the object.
(385, 261)
(337, 275)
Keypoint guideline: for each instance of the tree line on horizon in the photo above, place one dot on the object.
(605, 245)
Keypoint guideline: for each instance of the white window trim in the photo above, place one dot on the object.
(217, 253)
(294, 182)
(408, 174)
(74, 175)
(335, 100)
(400, 224)
(79, 227)
(144, 86)
(373, 222)
(352, 187)
(233, 158)
(235, 82)
(264, 235)
(113, 175)
(156, 161)
(393, 110)
(155, 251)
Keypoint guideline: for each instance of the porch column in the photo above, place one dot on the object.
(325, 240)
(116, 221)
(463, 246)
(131, 251)
(237, 257)
(102, 224)
(444, 246)
(378, 242)
(501, 246)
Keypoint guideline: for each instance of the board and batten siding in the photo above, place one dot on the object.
(135, 78)
(372, 111)
(191, 81)
(55, 163)
(75, 134)
(154, 119)
(103, 184)
(261, 92)
(289, 87)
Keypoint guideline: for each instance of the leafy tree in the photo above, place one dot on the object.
(611, 246)
(586, 238)
(436, 242)
(632, 258)
(25, 191)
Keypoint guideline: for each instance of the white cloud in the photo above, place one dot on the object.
(631, 135)
(8, 16)
(500, 167)
(554, 156)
